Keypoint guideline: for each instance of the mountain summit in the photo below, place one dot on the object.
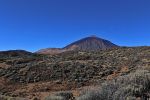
(91, 43)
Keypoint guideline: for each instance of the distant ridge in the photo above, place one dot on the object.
(91, 43)
(14, 53)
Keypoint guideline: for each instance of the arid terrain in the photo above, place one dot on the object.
(121, 73)
(74, 49)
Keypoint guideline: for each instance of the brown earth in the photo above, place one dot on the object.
(31, 75)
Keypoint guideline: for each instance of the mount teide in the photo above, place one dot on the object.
(91, 43)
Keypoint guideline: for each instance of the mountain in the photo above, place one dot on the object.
(91, 43)
(50, 51)
(123, 70)
(14, 53)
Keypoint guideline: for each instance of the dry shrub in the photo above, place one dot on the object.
(63, 95)
(127, 87)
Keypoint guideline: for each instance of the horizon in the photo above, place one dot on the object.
(72, 42)
(37, 24)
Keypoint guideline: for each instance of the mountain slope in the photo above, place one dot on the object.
(25, 75)
(50, 51)
(123, 70)
(14, 53)
(91, 43)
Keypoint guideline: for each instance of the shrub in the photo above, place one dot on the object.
(63, 95)
(126, 87)
(11, 98)
(54, 98)
(90, 95)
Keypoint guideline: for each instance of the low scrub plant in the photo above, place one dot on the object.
(127, 87)
(63, 95)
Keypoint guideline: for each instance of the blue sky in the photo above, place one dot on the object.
(36, 24)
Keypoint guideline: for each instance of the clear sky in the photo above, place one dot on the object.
(36, 24)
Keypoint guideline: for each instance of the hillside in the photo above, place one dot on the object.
(91, 43)
(29, 74)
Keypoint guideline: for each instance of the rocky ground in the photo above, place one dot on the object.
(27, 75)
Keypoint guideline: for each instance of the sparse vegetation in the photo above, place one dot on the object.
(63, 95)
(11, 98)
(127, 87)
(54, 98)
(121, 73)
